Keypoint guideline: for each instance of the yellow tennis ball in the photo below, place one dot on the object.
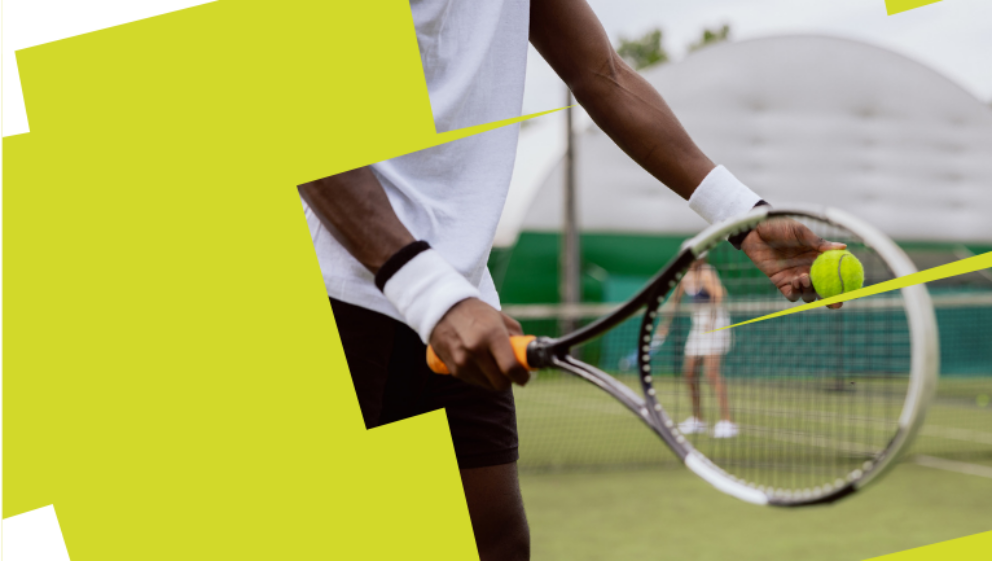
(835, 272)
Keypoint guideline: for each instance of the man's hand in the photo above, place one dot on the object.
(473, 341)
(784, 250)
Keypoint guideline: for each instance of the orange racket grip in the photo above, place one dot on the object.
(518, 342)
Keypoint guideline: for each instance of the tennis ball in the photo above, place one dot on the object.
(835, 272)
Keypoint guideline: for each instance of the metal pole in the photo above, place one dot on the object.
(570, 268)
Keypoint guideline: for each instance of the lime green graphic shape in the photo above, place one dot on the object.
(899, 6)
(970, 548)
(962, 267)
(173, 378)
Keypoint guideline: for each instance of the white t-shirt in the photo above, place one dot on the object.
(474, 56)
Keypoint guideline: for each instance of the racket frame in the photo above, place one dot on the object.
(547, 352)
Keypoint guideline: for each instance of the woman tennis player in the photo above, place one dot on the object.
(702, 286)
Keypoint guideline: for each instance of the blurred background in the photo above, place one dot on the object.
(824, 103)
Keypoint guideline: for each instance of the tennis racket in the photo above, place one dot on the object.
(821, 402)
(630, 361)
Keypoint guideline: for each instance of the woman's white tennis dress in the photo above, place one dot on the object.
(707, 317)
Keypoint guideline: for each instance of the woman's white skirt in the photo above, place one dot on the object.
(701, 343)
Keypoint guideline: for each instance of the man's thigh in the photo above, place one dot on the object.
(388, 366)
(367, 338)
(483, 423)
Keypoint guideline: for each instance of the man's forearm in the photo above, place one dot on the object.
(355, 209)
(420, 284)
(635, 116)
(570, 37)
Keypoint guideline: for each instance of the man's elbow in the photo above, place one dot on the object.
(331, 180)
(597, 80)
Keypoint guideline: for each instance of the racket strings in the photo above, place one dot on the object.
(811, 399)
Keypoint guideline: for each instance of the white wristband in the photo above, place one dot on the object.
(424, 289)
(721, 196)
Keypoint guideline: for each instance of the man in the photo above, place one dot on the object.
(403, 244)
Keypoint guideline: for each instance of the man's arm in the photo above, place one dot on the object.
(472, 337)
(571, 39)
(626, 107)
(355, 210)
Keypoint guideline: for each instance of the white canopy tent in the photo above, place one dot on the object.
(801, 119)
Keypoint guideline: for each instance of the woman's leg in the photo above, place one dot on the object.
(711, 365)
(689, 372)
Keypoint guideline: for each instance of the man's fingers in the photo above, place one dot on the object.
(475, 365)
(512, 325)
(493, 372)
(818, 243)
(798, 290)
(464, 340)
(502, 351)
(510, 365)
(806, 286)
(809, 239)
(790, 292)
(464, 368)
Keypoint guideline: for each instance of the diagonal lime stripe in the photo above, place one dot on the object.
(969, 548)
(898, 6)
(485, 127)
(964, 266)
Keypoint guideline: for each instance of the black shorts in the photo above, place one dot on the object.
(388, 366)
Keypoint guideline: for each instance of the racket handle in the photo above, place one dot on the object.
(518, 342)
